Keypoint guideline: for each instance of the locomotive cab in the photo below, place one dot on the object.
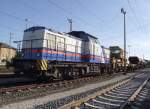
(91, 46)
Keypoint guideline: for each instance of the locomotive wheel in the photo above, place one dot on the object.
(60, 76)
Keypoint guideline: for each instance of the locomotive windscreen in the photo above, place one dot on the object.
(115, 52)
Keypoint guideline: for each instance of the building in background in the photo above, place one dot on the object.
(6, 53)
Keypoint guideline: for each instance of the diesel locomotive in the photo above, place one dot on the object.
(44, 52)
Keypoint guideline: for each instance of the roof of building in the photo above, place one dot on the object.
(4, 45)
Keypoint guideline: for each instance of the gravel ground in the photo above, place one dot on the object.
(35, 103)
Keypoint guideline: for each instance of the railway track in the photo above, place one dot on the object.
(22, 92)
(14, 94)
(142, 101)
(116, 96)
(27, 83)
(52, 85)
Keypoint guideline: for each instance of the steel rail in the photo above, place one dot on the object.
(51, 85)
(75, 104)
(135, 94)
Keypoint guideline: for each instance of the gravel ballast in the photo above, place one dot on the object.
(32, 103)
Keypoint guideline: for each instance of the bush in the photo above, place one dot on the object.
(7, 62)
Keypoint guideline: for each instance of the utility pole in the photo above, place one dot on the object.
(124, 18)
(70, 22)
(10, 39)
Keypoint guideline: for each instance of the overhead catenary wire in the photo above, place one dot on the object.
(133, 12)
(135, 15)
(20, 19)
(69, 13)
(12, 16)
(14, 29)
(26, 4)
(23, 19)
(94, 14)
(15, 17)
(99, 20)
(79, 19)
(8, 28)
(89, 11)
(137, 6)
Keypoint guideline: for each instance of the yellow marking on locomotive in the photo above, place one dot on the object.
(42, 64)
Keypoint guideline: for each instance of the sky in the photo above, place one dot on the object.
(101, 18)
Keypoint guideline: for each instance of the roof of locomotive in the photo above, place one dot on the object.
(34, 28)
(115, 47)
(41, 27)
(81, 34)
